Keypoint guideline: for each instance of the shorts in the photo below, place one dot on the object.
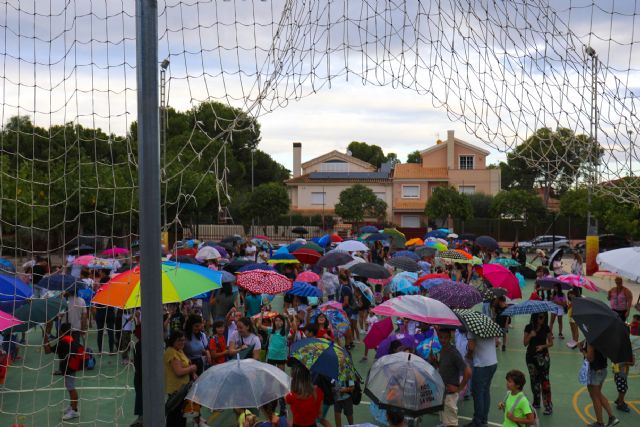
(620, 379)
(344, 406)
(325, 411)
(353, 316)
(70, 382)
(449, 414)
(597, 377)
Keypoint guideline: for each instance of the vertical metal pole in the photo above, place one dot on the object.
(592, 242)
(149, 197)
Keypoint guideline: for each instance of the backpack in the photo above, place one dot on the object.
(356, 395)
(78, 359)
(536, 420)
(353, 305)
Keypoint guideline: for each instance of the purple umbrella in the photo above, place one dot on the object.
(406, 340)
(223, 252)
(456, 295)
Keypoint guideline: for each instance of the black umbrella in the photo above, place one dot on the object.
(233, 239)
(603, 329)
(299, 230)
(424, 251)
(378, 236)
(551, 282)
(370, 270)
(557, 254)
(58, 282)
(185, 259)
(82, 250)
(333, 259)
(235, 265)
(404, 263)
(487, 242)
(38, 311)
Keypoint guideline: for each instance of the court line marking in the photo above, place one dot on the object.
(491, 423)
(43, 390)
(580, 391)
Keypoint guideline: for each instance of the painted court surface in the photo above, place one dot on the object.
(107, 392)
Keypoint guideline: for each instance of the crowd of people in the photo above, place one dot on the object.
(231, 323)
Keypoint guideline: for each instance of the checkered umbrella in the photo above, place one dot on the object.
(456, 295)
(478, 323)
(404, 263)
(531, 307)
(453, 255)
(264, 282)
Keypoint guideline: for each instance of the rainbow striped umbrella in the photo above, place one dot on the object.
(179, 282)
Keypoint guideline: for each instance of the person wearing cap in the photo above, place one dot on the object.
(455, 374)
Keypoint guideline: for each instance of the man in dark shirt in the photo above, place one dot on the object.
(452, 367)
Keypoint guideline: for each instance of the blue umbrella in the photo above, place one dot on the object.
(409, 254)
(403, 283)
(304, 289)
(228, 277)
(440, 234)
(368, 229)
(378, 236)
(13, 289)
(324, 241)
(58, 282)
(7, 265)
(531, 307)
(282, 250)
(366, 290)
(430, 283)
(214, 275)
(282, 257)
(250, 267)
(292, 247)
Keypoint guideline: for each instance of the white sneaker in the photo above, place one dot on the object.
(67, 409)
(71, 414)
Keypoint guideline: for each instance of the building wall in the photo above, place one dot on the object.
(332, 195)
(436, 158)
(480, 160)
(484, 180)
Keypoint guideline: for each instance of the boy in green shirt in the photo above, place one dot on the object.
(516, 405)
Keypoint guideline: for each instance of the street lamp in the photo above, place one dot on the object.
(592, 223)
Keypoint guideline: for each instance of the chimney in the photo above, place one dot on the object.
(451, 164)
(297, 159)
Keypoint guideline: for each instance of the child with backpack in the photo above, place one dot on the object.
(516, 406)
(72, 358)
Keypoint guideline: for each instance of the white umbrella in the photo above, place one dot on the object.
(625, 262)
(206, 253)
(239, 384)
(352, 246)
(405, 382)
(452, 236)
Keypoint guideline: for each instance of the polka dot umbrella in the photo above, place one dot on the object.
(263, 282)
(478, 323)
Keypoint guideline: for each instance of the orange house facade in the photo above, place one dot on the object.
(453, 162)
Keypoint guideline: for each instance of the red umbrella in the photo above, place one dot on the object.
(192, 252)
(379, 331)
(500, 277)
(261, 237)
(308, 276)
(431, 276)
(306, 256)
(335, 238)
(263, 282)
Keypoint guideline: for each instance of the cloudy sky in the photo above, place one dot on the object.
(395, 74)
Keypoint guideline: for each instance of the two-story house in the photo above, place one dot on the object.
(452, 162)
(317, 183)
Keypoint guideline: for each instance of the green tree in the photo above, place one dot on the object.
(359, 202)
(447, 201)
(414, 157)
(518, 204)
(481, 204)
(372, 154)
(551, 159)
(268, 201)
(613, 216)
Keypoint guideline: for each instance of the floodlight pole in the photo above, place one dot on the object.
(592, 223)
(149, 218)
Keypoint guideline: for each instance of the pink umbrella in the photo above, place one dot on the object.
(382, 282)
(115, 251)
(8, 321)
(263, 282)
(500, 277)
(308, 276)
(579, 281)
(84, 260)
(418, 308)
(379, 331)
(332, 304)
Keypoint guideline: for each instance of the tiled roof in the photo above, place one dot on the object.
(340, 177)
(414, 170)
(409, 204)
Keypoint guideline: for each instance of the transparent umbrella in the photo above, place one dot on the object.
(239, 384)
(405, 382)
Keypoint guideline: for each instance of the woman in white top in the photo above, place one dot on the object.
(244, 338)
(576, 265)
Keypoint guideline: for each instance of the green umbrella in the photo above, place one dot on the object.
(38, 311)
(397, 238)
(313, 246)
(506, 262)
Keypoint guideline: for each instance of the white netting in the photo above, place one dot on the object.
(68, 150)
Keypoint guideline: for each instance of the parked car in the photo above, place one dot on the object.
(607, 242)
(547, 243)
